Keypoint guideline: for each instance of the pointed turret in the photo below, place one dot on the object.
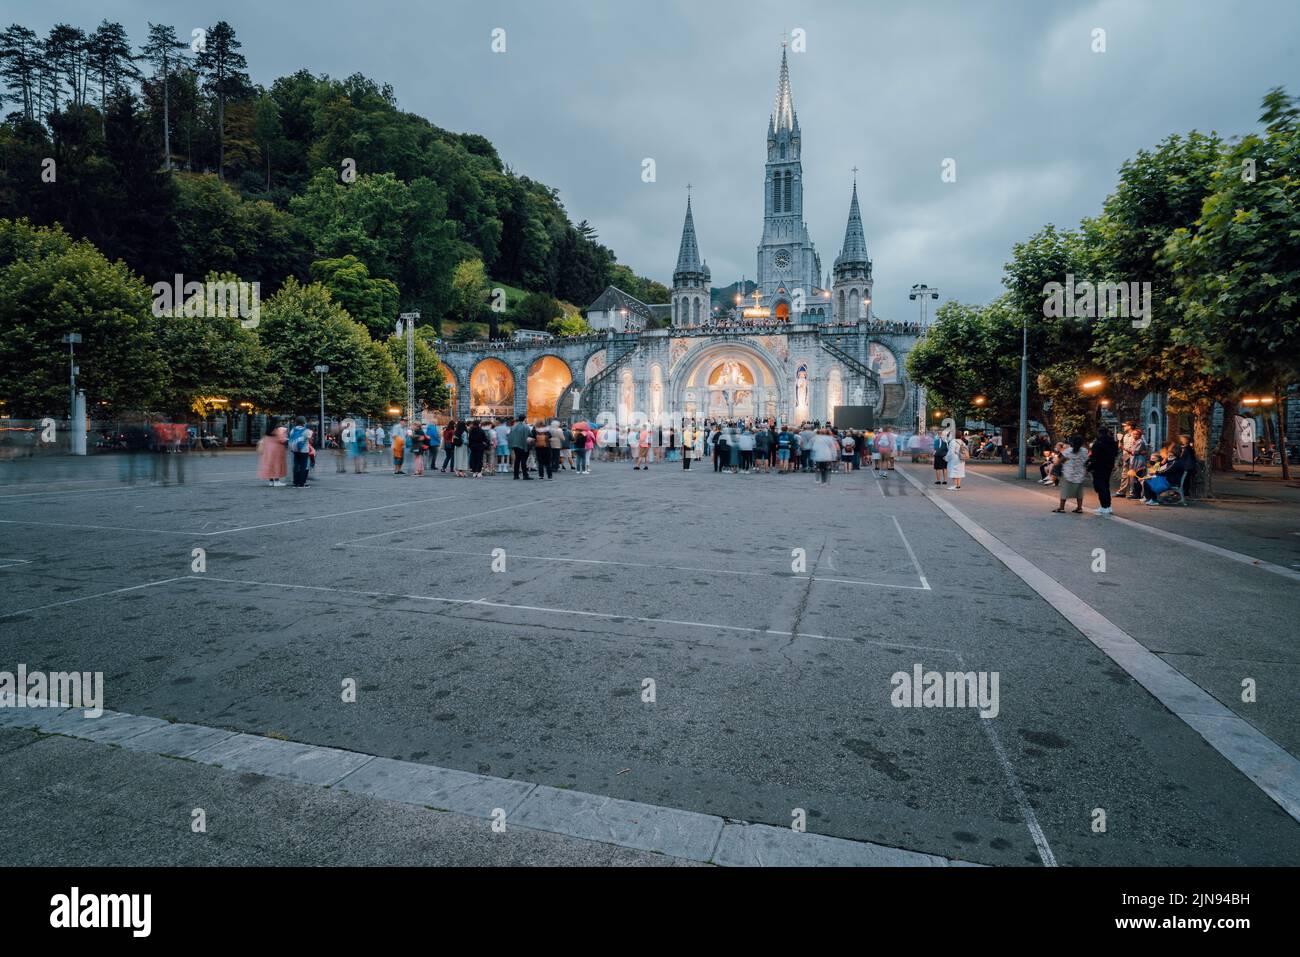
(691, 278)
(851, 291)
(855, 242)
(688, 255)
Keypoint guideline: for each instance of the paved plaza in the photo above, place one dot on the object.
(643, 667)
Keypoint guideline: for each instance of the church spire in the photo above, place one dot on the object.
(855, 242)
(783, 117)
(688, 256)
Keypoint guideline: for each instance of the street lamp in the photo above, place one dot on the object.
(1254, 402)
(923, 293)
(321, 370)
(72, 339)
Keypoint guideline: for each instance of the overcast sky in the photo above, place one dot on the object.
(1037, 122)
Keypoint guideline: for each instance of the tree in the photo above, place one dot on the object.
(1160, 192)
(164, 51)
(51, 285)
(225, 78)
(210, 357)
(267, 130)
(536, 310)
(1237, 271)
(63, 60)
(20, 53)
(215, 228)
(1049, 256)
(302, 327)
(570, 324)
(971, 351)
(109, 57)
(370, 300)
(469, 291)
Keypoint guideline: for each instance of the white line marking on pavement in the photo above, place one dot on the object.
(484, 603)
(1273, 769)
(245, 528)
(1175, 537)
(677, 568)
(1013, 784)
(445, 521)
(911, 554)
(313, 518)
(103, 594)
(674, 832)
(100, 528)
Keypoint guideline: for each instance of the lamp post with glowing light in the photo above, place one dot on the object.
(1255, 402)
(1092, 387)
(922, 293)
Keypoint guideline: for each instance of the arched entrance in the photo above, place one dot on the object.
(491, 389)
(548, 377)
(728, 380)
(783, 311)
(449, 380)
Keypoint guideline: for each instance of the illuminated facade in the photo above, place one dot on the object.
(794, 352)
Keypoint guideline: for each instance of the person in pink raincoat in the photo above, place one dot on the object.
(270, 455)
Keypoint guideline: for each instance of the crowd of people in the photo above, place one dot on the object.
(1143, 474)
(478, 448)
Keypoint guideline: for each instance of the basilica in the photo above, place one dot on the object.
(797, 348)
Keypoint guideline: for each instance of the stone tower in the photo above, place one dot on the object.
(851, 292)
(691, 279)
(789, 269)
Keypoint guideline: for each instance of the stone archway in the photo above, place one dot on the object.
(453, 388)
(548, 377)
(492, 389)
(728, 379)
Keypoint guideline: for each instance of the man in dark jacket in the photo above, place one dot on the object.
(518, 439)
(1101, 462)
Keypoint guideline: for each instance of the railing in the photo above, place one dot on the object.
(724, 328)
(857, 365)
(599, 378)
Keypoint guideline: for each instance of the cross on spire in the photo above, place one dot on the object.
(855, 176)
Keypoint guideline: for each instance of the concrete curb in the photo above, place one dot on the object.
(673, 832)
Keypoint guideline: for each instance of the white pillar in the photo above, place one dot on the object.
(77, 442)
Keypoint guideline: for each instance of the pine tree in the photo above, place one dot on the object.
(20, 51)
(225, 77)
(109, 57)
(163, 51)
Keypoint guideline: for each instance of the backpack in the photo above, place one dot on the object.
(941, 449)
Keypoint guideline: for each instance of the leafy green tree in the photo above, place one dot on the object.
(370, 300)
(536, 310)
(972, 351)
(1049, 256)
(302, 327)
(215, 228)
(211, 356)
(1160, 192)
(50, 286)
(469, 291)
(569, 324)
(469, 332)
(1237, 271)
